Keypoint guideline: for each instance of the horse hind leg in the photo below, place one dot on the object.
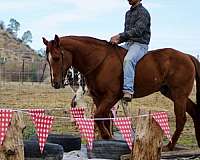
(180, 114)
(193, 110)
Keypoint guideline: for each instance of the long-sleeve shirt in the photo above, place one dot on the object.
(137, 25)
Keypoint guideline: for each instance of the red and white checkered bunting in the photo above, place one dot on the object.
(162, 119)
(124, 125)
(43, 124)
(5, 119)
(86, 127)
(77, 112)
(36, 111)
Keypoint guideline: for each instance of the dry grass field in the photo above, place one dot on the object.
(57, 102)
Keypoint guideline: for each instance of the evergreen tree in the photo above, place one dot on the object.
(13, 26)
(27, 37)
(41, 52)
(2, 25)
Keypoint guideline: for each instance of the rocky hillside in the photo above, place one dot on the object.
(13, 50)
(18, 61)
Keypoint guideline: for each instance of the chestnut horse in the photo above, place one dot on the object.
(166, 70)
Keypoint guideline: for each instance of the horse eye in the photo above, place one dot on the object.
(56, 59)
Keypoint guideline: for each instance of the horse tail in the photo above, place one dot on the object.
(192, 108)
(197, 68)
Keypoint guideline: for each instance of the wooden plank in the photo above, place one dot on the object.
(190, 154)
(174, 155)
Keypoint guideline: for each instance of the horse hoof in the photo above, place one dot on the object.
(167, 148)
(106, 136)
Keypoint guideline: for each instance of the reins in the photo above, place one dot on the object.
(98, 64)
(47, 58)
(101, 62)
(118, 54)
(63, 76)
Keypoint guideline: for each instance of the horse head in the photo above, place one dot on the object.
(59, 60)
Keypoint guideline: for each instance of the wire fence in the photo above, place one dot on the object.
(28, 85)
(25, 71)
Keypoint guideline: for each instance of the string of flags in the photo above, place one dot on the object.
(86, 126)
(43, 124)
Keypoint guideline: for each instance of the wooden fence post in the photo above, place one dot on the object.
(13, 147)
(148, 140)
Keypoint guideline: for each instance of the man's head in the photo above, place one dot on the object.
(133, 2)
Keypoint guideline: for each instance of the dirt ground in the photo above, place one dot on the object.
(57, 103)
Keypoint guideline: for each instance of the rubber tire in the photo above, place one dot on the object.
(51, 151)
(108, 149)
(68, 141)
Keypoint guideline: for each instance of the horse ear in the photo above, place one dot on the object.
(45, 41)
(57, 40)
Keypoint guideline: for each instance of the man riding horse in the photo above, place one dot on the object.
(166, 70)
(137, 36)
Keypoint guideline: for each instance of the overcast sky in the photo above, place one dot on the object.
(175, 23)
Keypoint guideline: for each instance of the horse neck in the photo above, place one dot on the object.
(87, 56)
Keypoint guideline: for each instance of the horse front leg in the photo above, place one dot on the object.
(103, 111)
(180, 113)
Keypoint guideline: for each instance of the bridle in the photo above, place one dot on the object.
(47, 58)
(62, 68)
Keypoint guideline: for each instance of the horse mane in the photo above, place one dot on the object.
(95, 41)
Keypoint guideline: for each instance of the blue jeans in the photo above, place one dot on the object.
(135, 52)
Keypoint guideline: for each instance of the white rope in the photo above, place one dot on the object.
(96, 119)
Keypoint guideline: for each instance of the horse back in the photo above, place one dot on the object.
(162, 67)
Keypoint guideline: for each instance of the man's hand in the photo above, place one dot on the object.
(115, 39)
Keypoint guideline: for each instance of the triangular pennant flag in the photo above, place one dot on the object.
(36, 111)
(43, 124)
(5, 118)
(86, 127)
(124, 125)
(77, 112)
(162, 119)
